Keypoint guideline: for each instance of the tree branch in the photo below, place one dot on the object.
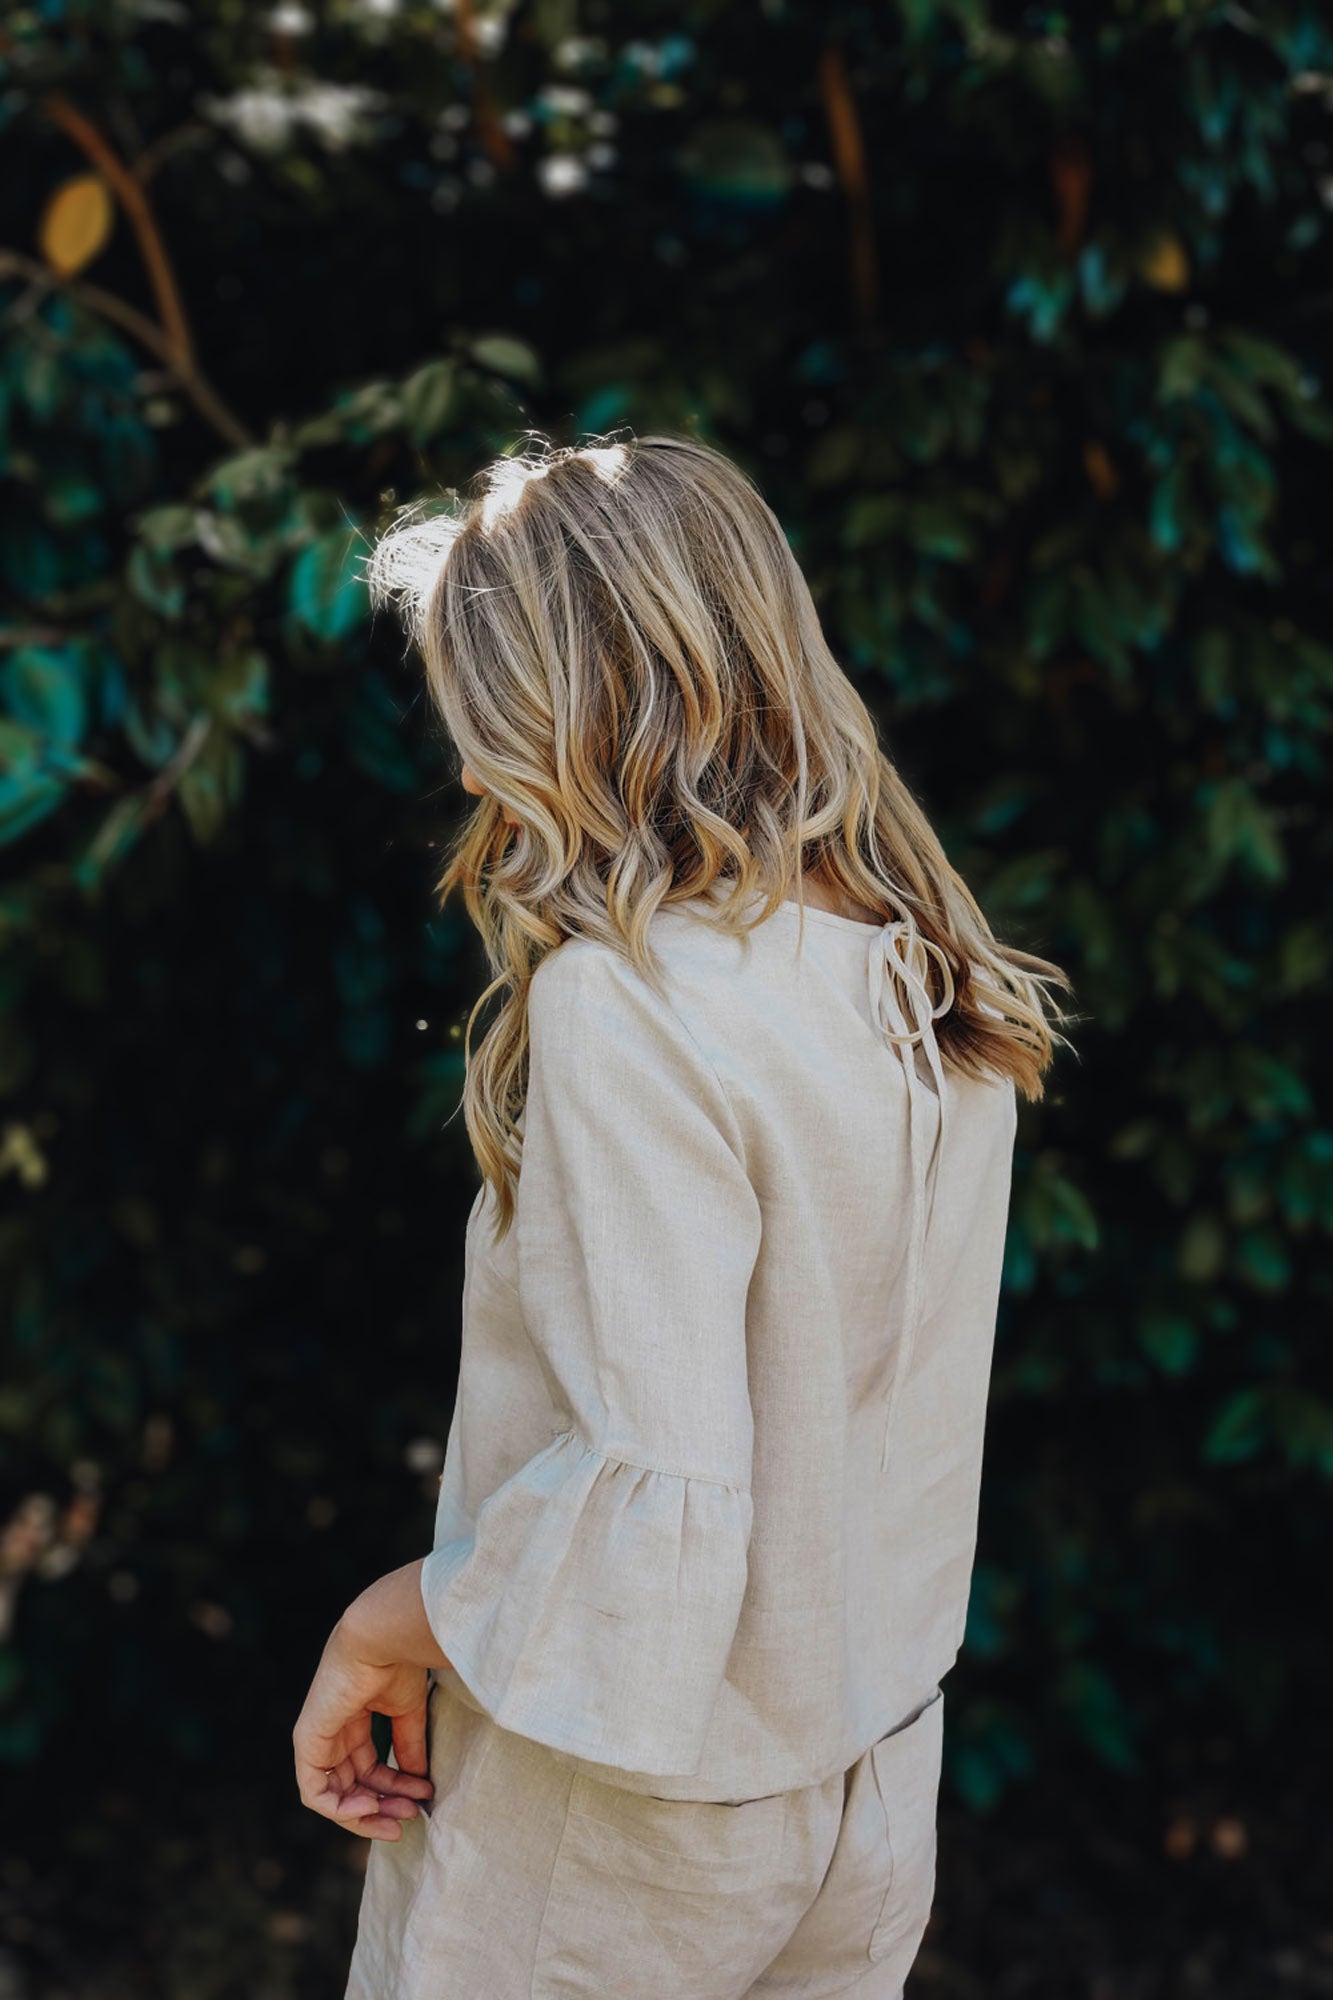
(147, 163)
(496, 142)
(146, 331)
(130, 193)
(158, 793)
(849, 159)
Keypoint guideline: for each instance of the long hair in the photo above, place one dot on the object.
(623, 649)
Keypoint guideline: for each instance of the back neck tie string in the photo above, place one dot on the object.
(898, 972)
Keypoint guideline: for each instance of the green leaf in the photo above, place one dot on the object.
(374, 736)
(19, 746)
(1093, 1699)
(940, 530)
(1237, 1431)
(239, 687)
(1269, 1087)
(201, 801)
(261, 473)
(874, 518)
(1170, 1341)
(1263, 361)
(1203, 1249)
(1168, 512)
(44, 690)
(1073, 1214)
(326, 591)
(1183, 365)
(1262, 1257)
(165, 529)
(501, 354)
(149, 734)
(210, 785)
(70, 498)
(155, 581)
(26, 798)
(1303, 1424)
(978, 1776)
(1239, 828)
(229, 542)
(429, 399)
(1242, 399)
(835, 456)
(1305, 955)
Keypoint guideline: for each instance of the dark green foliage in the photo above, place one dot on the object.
(1045, 412)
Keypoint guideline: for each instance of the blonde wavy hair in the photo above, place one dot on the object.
(622, 646)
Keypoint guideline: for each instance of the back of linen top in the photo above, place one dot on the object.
(708, 1511)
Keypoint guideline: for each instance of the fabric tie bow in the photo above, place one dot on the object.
(898, 987)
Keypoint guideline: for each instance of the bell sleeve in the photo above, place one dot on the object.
(594, 1606)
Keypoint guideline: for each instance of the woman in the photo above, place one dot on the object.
(665, 1695)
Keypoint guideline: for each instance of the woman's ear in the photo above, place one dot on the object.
(472, 783)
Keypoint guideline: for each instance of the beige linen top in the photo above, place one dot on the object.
(708, 1510)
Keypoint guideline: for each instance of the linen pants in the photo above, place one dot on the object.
(529, 1880)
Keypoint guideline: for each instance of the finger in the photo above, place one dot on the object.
(326, 1790)
(362, 1803)
(409, 1740)
(360, 1808)
(313, 1778)
(389, 1779)
(395, 1808)
(372, 1826)
(317, 1751)
(384, 1822)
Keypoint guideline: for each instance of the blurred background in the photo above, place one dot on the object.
(1021, 318)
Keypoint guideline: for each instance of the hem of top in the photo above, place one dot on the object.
(583, 1754)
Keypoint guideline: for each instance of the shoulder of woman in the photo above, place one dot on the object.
(585, 990)
(588, 1003)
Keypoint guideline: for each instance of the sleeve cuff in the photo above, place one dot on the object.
(594, 1607)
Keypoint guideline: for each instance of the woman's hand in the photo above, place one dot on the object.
(374, 1663)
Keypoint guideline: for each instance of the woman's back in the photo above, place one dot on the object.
(709, 1504)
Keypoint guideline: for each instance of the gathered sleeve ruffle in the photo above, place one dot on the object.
(594, 1607)
(596, 1602)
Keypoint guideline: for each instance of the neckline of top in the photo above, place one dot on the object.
(852, 924)
(831, 917)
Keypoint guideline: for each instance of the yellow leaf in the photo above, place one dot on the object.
(1166, 267)
(76, 223)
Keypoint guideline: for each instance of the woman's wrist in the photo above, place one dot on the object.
(386, 1625)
